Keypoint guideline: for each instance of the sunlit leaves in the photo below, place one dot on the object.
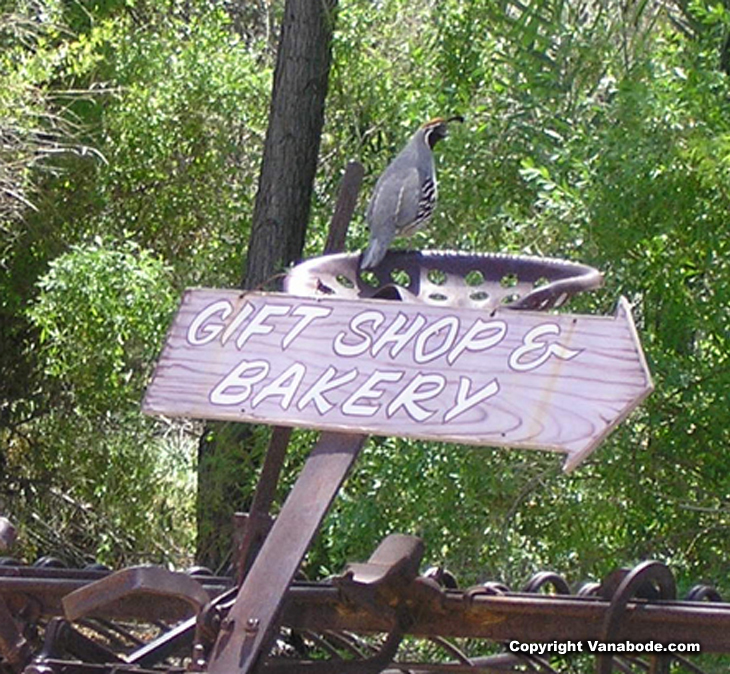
(106, 482)
(101, 315)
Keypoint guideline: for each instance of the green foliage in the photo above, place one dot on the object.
(101, 314)
(131, 124)
(219, 493)
(114, 490)
(89, 476)
(182, 142)
(177, 114)
(596, 132)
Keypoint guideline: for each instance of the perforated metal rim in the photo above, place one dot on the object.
(447, 278)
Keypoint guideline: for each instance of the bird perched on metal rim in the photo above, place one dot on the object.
(405, 194)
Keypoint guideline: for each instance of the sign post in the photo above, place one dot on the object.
(247, 628)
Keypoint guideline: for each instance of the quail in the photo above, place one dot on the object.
(405, 194)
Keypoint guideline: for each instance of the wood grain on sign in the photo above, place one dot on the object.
(518, 379)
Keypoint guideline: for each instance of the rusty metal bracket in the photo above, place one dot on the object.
(201, 628)
(652, 574)
(379, 582)
(396, 559)
(134, 582)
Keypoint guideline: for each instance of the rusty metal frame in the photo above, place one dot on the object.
(383, 595)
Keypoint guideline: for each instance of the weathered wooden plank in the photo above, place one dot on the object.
(519, 379)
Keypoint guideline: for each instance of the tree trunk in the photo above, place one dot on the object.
(296, 117)
(278, 230)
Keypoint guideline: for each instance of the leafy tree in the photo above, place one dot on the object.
(100, 314)
(173, 108)
(89, 476)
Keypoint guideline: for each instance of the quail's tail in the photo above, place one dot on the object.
(373, 254)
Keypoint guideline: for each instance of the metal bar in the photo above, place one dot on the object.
(62, 666)
(344, 208)
(49, 592)
(321, 464)
(37, 572)
(255, 531)
(514, 615)
(266, 488)
(246, 631)
(179, 637)
(453, 668)
(537, 618)
(84, 648)
(48, 587)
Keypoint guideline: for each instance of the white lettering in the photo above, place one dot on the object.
(531, 344)
(465, 401)
(309, 314)
(198, 334)
(398, 340)
(236, 386)
(327, 382)
(368, 391)
(257, 326)
(472, 342)
(430, 386)
(538, 648)
(236, 323)
(342, 348)
(449, 323)
(284, 386)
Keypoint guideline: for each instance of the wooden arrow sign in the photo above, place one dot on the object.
(533, 380)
